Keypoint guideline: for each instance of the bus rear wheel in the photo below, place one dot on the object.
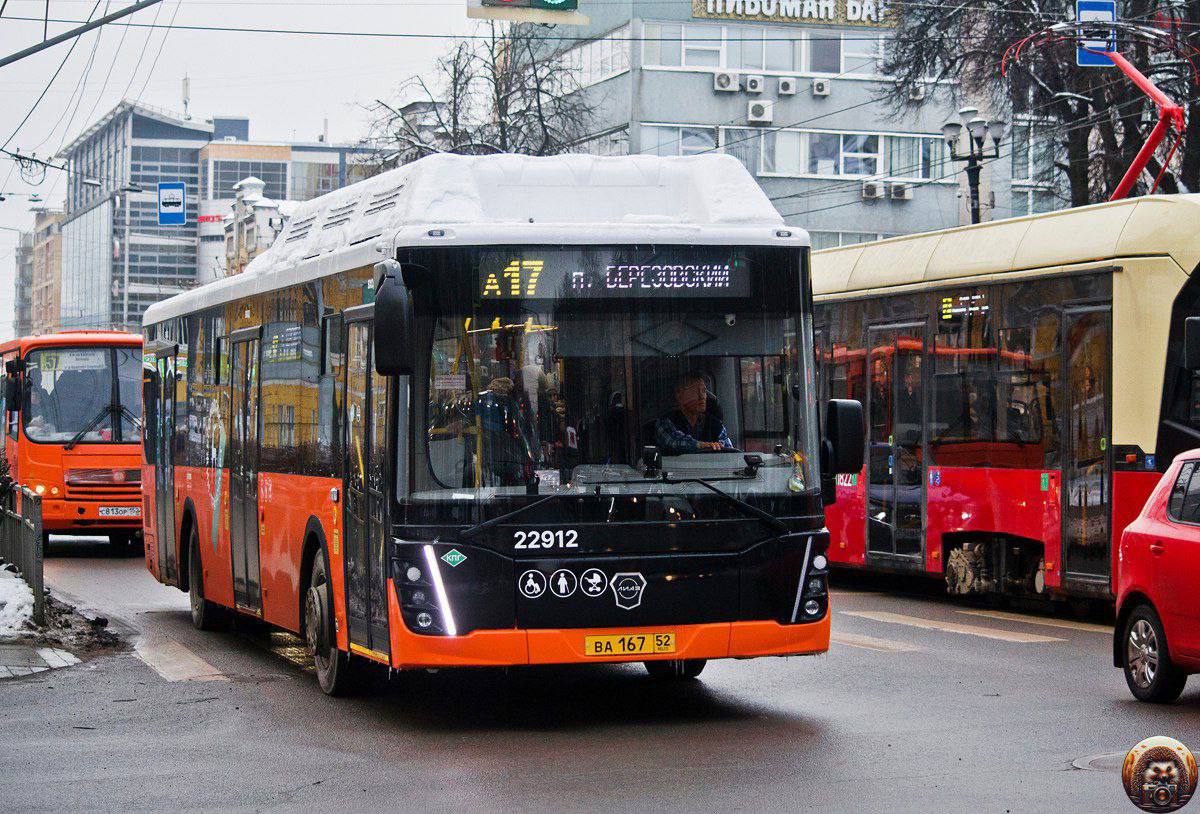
(335, 673)
(206, 615)
(675, 669)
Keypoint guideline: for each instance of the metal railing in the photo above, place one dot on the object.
(21, 542)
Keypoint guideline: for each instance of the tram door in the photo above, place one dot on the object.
(366, 504)
(1086, 501)
(244, 515)
(164, 473)
(895, 470)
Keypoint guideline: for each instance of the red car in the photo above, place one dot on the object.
(1157, 638)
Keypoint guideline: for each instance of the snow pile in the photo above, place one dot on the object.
(16, 604)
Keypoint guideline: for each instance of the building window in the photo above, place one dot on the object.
(862, 53)
(702, 46)
(825, 52)
(832, 240)
(599, 59)
(745, 48)
(919, 157)
(669, 140)
(662, 44)
(860, 154)
(746, 145)
(1033, 201)
(272, 173)
(614, 143)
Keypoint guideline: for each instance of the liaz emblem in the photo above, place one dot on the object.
(627, 588)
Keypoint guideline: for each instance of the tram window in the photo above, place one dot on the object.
(1184, 504)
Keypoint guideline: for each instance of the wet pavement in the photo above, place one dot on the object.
(922, 704)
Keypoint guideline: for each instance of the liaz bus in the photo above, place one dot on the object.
(504, 410)
(73, 430)
(1023, 386)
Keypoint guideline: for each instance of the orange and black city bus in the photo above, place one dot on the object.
(429, 427)
(1024, 390)
(73, 429)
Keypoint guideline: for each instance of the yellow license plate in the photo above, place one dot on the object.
(629, 644)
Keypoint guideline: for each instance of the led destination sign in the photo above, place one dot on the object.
(600, 274)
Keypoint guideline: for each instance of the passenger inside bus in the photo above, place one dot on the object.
(691, 427)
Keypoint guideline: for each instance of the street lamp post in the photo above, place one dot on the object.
(979, 130)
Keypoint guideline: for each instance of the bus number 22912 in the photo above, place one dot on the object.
(528, 540)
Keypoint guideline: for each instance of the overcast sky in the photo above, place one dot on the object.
(287, 84)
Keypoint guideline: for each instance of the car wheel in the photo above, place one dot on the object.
(1149, 671)
(336, 674)
(675, 669)
(206, 615)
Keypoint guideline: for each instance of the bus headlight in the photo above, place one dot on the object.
(39, 489)
(812, 607)
(819, 562)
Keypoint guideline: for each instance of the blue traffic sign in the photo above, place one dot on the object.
(172, 203)
(1095, 11)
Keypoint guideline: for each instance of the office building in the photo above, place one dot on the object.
(46, 283)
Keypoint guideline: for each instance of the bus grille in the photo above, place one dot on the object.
(122, 493)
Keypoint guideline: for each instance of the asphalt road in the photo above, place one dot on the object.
(922, 704)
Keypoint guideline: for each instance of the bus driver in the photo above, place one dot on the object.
(691, 427)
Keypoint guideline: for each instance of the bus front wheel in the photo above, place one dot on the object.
(335, 673)
(675, 669)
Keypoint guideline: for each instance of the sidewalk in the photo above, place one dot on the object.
(17, 659)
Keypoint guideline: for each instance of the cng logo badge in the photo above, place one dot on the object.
(627, 589)
(454, 558)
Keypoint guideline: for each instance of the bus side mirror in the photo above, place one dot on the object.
(394, 338)
(1191, 344)
(844, 438)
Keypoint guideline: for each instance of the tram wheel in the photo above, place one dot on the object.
(206, 615)
(1149, 671)
(675, 669)
(336, 674)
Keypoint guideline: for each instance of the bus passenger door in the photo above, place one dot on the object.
(366, 505)
(1086, 503)
(243, 473)
(896, 437)
(164, 473)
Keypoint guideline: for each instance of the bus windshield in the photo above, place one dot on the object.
(551, 370)
(70, 391)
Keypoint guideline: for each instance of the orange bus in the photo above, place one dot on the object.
(469, 453)
(73, 428)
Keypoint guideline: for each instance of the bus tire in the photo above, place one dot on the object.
(336, 674)
(675, 669)
(206, 615)
(1149, 671)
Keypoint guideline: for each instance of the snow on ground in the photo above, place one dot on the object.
(16, 604)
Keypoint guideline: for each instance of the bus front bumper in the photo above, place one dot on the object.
(84, 517)
(504, 648)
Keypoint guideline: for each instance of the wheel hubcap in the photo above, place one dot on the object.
(314, 624)
(1141, 652)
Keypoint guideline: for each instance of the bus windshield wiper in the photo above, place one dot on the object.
(765, 516)
(115, 410)
(472, 531)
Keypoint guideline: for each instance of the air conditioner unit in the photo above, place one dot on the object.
(872, 190)
(725, 81)
(755, 84)
(787, 87)
(821, 87)
(916, 93)
(901, 192)
(760, 112)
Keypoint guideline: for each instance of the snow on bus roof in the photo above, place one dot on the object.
(1054, 241)
(508, 199)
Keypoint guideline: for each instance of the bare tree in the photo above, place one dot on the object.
(1095, 118)
(505, 92)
